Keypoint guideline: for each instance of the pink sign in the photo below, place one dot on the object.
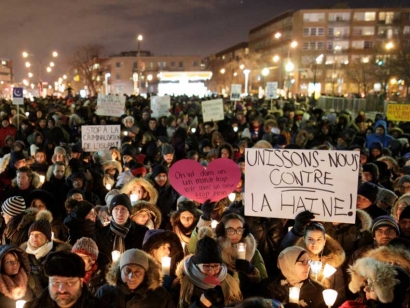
(214, 182)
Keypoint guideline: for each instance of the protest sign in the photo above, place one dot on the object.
(18, 98)
(398, 112)
(110, 105)
(283, 183)
(160, 106)
(271, 90)
(236, 91)
(100, 137)
(212, 110)
(214, 182)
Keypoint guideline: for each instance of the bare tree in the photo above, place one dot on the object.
(400, 61)
(83, 61)
(358, 73)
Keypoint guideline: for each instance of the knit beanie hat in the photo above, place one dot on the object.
(20, 144)
(403, 179)
(385, 221)
(369, 191)
(405, 214)
(167, 149)
(16, 156)
(207, 251)
(82, 208)
(86, 246)
(386, 196)
(373, 169)
(14, 206)
(64, 264)
(43, 226)
(59, 150)
(134, 256)
(121, 199)
(158, 169)
(111, 194)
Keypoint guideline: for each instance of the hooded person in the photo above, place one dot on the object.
(164, 243)
(294, 266)
(380, 134)
(65, 271)
(385, 284)
(96, 263)
(122, 233)
(203, 277)
(112, 169)
(79, 180)
(404, 223)
(401, 203)
(370, 173)
(366, 199)
(135, 281)
(136, 170)
(184, 220)
(142, 188)
(146, 214)
(386, 199)
(60, 154)
(16, 282)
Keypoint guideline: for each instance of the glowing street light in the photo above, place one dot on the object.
(275, 58)
(25, 82)
(222, 71)
(278, 35)
(25, 54)
(48, 69)
(28, 64)
(242, 66)
(265, 72)
(64, 76)
(149, 77)
(389, 45)
(51, 64)
(30, 74)
(139, 40)
(293, 44)
(55, 54)
(289, 66)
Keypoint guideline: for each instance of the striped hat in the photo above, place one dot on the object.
(14, 206)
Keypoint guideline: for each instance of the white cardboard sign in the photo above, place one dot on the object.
(283, 183)
(160, 106)
(271, 90)
(236, 91)
(100, 137)
(213, 110)
(110, 105)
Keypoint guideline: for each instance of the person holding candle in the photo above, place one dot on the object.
(135, 281)
(146, 214)
(142, 189)
(294, 266)
(164, 243)
(16, 282)
(185, 219)
(247, 263)
(112, 169)
(203, 278)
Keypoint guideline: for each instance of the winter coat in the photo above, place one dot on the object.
(4, 132)
(154, 213)
(33, 286)
(150, 294)
(59, 191)
(384, 139)
(86, 300)
(98, 278)
(152, 195)
(79, 227)
(16, 232)
(183, 233)
(134, 238)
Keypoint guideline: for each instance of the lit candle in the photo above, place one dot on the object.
(125, 133)
(294, 295)
(232, 197)
(193, 130)
(328, 270)
(42, 179)
(235, 129)
(27, 113)
(214, 223)
(115, 255)
(108, 186)
(315, 267)
(329, 297)
(166, 265)
(241, 252)
(20, 303)
(134, 198)
(183, 245)
(52, 235)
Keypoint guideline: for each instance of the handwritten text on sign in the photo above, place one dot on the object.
(160, 106)
(110, 105)
(214, 182)
(398, 112)
(212, 110)
(282, 183)
(98, 137)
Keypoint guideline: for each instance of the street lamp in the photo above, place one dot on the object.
(278, 35)
(275, 58)
(265, 72)
(241, 66)
(289, 67)
(318, 60)
(139, 40)
(48, 69)
(107, 75)
(28, 64)
(246, 73)
(51, 64)
(30, 74)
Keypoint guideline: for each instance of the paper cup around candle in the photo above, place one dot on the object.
(20, 303)
(294, 295)
(166, 265)
(134, 197)
(329, 296)
(115, 255)
(241, 251)
(52, 235)
(214, 223)
(42, 178)
(315, 267)
(328, 270)
(108, 186)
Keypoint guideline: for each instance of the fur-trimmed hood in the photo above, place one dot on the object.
(152, 192)
(151, 208)
(152, 279)
(229, 251)
(29, 216)
(35, 181)
(364, 220)
(396, 255)
(112, 164)
(382, 276)
(185, 206)
(23, 257)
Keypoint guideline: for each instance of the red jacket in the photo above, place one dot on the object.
(4, 132)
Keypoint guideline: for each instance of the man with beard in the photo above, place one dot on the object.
(65, 287)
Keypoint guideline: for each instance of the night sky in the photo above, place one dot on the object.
(169, 27)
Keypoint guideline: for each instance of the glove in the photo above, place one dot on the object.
(301, 222)
(244, 266)
(214, 295)
(207, 207)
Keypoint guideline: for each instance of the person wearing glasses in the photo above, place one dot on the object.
(231, 231)
(65, 271)
(294, 266)
(135, 281)
(203, 279)
(16, 283)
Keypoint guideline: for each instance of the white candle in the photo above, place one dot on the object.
(214, 223)
(183, 245)
(125, 133)
(232, 197)
(328, 271)
(329, 297)
(134, 197)
(193, 130)
(20, 303)
(108, 186)
(315, 266)
(115, 255)
(42, 179)
(241, 252)
(294, 295)
(235, 129)
(166, 265)
(52, 235)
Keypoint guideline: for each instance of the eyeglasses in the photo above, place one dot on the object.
(12, 263)
(404, 187)
(208, 267)
(67, 284)
(161, 177)
(304, 262)
(232, 231)
(389, 232)
(127, 271)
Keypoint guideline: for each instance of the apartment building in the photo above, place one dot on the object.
(6, 77)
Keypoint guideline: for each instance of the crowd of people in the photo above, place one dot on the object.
(108, 229)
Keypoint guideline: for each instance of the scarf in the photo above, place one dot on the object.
(197, 277)
(14, 287)
(90, 273)
(40, 251)
(183, 233)
(120, 234)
